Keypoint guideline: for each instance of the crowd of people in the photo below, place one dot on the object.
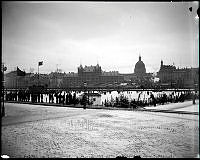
(68, 98)
(26, 96)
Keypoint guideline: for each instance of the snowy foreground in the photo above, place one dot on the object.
(186, 106)
(48, 131)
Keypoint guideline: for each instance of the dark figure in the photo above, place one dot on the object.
(117, 101)
(42, 98)
(28, 96)
(153, 99)
(120, 157)
(74, 99)
(170, 98)
(32, 98)
(133, 104)
(67, 99)
(181, 97)
(164, 98)
(84, 101)
(38, 97)
(105, 103)
(70, 98)
(193, 98)
(56, 95)
(3, 111)
(49, 97)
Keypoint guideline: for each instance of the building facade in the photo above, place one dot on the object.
(91, 76)
(12, 80)
(86, 76)
(174, 77)
(139, 78)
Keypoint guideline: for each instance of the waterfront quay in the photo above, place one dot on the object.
(40, 131)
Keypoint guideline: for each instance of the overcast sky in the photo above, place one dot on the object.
(113, 34)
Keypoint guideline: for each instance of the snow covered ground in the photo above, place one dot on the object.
(185, 106)
(48, 131)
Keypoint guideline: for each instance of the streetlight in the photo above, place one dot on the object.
(3, 68)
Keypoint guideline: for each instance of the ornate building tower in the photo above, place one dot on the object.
(161, 64)
(140, 68)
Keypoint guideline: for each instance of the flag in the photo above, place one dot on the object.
(40, 63)
(20, 73)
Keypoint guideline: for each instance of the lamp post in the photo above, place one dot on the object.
(3, 82)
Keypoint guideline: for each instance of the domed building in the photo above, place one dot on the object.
(139, 77)
(140, 68)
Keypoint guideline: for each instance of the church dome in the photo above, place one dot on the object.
(140, 67)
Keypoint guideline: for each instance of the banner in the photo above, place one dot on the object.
(20, 73)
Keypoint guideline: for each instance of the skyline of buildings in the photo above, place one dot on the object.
(60, 70)
(168, 75)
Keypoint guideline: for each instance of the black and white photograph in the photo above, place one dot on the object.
(100, 79)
